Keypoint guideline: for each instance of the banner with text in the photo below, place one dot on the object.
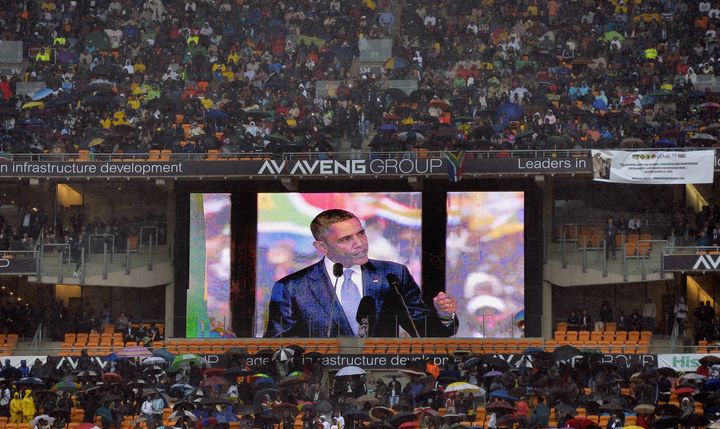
(683, 263)
(653, 167)
(685, 362)
(305, 168)
(335, 361)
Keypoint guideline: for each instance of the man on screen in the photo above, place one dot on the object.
(333, 296)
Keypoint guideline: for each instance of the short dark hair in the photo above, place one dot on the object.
(322, 221)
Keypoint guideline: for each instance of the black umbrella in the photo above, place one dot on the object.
(565, 353)
(667, 372)
(471, 363)
(324, 407)
(454, 418)
(497, 363)
(381, 413)
(695, 421)
(709, 360)
(184, 405)
(402, 406)
(356, 415)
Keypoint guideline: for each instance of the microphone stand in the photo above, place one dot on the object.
(405, 307)
(337, 272)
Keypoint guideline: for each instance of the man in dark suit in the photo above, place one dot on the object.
(304, 304)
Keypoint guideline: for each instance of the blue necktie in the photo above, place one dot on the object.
(350, 297)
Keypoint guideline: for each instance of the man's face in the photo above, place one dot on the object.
(345, 242)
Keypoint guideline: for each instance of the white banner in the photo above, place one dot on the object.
(685, 362)
(653, 167)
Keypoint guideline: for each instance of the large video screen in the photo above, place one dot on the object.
(485, 262)
(392, 223)
(208, 298)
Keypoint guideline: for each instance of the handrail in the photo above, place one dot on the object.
(257, 156)
(37, 337)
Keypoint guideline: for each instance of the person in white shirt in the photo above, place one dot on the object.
(649, 313)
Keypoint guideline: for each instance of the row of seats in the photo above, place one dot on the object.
(450, 345)
(604, 337)
(164, 155)
(8, 343)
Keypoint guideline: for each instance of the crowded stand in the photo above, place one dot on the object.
(234, 77)
(136, 387)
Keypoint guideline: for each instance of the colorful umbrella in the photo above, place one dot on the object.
(184, 360)
(135, 352)
(66, 386)
(461, 386)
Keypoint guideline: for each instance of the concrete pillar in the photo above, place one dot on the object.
(169, 309)
(547, 322)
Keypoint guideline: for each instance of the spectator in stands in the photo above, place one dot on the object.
(635, 321)
(586, 323)
(394, 390)
(16, 409)
(634, 224)
(622, 322)
(28, 407)
(573, 322)
(611, 230)
(606, 316)
(122, 323)
(704, 315)
(5, 398)
(649, 313)
(681, 314)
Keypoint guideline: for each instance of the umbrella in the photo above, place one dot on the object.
(609, 36)
(496, 363)
(155, 360)
(440, 104)
(513, 111)
(472, 362)
(388, 127)
(66, 386)
(411, 137)
(632, 142)
(111, 377)
(499, 405)
(39, 95)
(33, 104)
(491, 374)
(324, 406)
(644, 409)
(356, 415)
(183, 414)
(710, 105)
(184, 360)
(669, 372)
(409, 425)
(401, 418)
(709, 360)
(580, 423)
(704, 137)
(135, 352)
(284, 354)
(31, 381)
(34, 422)
(412, 372)
(350, 370)
(464, 387)
(163, 353)
(365, 399)
(565, 353)
(692, 376)
(87, 374)
(684, 390)
(291, 381)
(381, 413)
(263, 381)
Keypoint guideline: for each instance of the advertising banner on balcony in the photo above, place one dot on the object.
(681, 362)
(653, 167)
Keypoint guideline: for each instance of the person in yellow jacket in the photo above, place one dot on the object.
(28, 407)
(16, 413)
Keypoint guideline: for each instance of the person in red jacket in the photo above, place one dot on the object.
(5, 89)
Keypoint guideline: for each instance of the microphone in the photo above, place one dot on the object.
(365, 313)
(337, 273)
(394, 281)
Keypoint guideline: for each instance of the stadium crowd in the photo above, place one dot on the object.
(190, 76)
(137, 387)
